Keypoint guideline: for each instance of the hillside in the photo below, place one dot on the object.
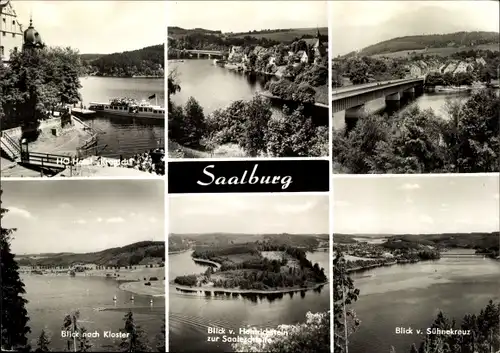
(178, 31)
(456, 41)
(225, 239)
(134, 254)
(148, 61)
(283, 35)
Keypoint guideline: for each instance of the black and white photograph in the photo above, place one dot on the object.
(249, 273)
(416, 264)
(247, 79)
(82, 88)
(415, 87)
(87, 273)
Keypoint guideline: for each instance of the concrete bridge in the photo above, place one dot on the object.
(353, 98)
(205, 53)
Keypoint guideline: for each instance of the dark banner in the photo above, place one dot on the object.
(248, 176)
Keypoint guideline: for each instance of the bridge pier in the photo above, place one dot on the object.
(393, 97)
(353, 114)
(209, 56)
(409, 93)
(199, 55)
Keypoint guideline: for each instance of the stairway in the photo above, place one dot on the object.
(10, 147)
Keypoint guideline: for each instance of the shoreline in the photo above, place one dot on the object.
(268, 95)
(139, 288)
(209, 262)
(217, 290)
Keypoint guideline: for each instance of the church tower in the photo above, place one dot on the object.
(32, 38)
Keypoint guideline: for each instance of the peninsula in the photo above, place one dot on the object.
(254, 268)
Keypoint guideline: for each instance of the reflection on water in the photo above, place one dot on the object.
(216, 87)
(434, 101)
(411, 295)
(192, 314)
(50, 298)
(124, 135)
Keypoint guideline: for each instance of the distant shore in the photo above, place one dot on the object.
(248, 291)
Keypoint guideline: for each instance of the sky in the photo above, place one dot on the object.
(96, 27)
(82, 215)
(357, 24)
(416, 204)
(249, 213)
(242, 16)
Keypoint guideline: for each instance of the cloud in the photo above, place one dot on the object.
(81, 221)
(152, 219)
(99, 219)
(409, 186)
(64, 205)
(426, 219)
(495, 196)
(296, 208)
(132, 214)
(16, 211)
(408, 200)
(115, 220)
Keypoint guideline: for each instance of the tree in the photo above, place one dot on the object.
(308, 337)
(160, 346)
(15, 318)
(136, 341)
(193, 124)
(35, 82)
(344, 294)
(256, 114)
(70, 324)
(413, 348)
(83, 343)
(290, 134)
(43, 342)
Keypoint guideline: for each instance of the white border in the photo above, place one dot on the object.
(165, 180)
(249, 159)
(330, 165)
(152, 177)
(244, 194)
(410, 176)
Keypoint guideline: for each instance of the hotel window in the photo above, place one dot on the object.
(3, 33)
(1, 50)
(13, 35)
(15, 49)
(13, 22)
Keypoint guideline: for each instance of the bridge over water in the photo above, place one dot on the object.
(204, 53)
(352, 99)
(464, 254)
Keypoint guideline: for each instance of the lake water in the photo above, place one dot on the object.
(124, 135)
(190, 315)
(52, 297)
(215, 87)
(411, 295)
(435, 101)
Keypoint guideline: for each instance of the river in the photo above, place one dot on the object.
(190, 315)
(216, 87)
(123, 135)
(435, 101)
(411, 295)
(50, 298)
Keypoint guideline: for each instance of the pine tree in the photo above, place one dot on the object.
(83, 343)
(43, 342)
(160, 346)
(14, 320)
(70, 324)
(136, 341)
(413, 348)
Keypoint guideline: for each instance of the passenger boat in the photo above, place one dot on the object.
(130, 108)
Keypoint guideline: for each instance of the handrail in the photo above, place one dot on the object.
(6, 146)
(12, 142)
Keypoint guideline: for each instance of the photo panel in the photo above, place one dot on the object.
(414, 89)
(249, 272)
(250, 79)
(88, 258)
(416, 263)
(96, 90)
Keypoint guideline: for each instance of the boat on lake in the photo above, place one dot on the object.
(452, 89)
(130, 108)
